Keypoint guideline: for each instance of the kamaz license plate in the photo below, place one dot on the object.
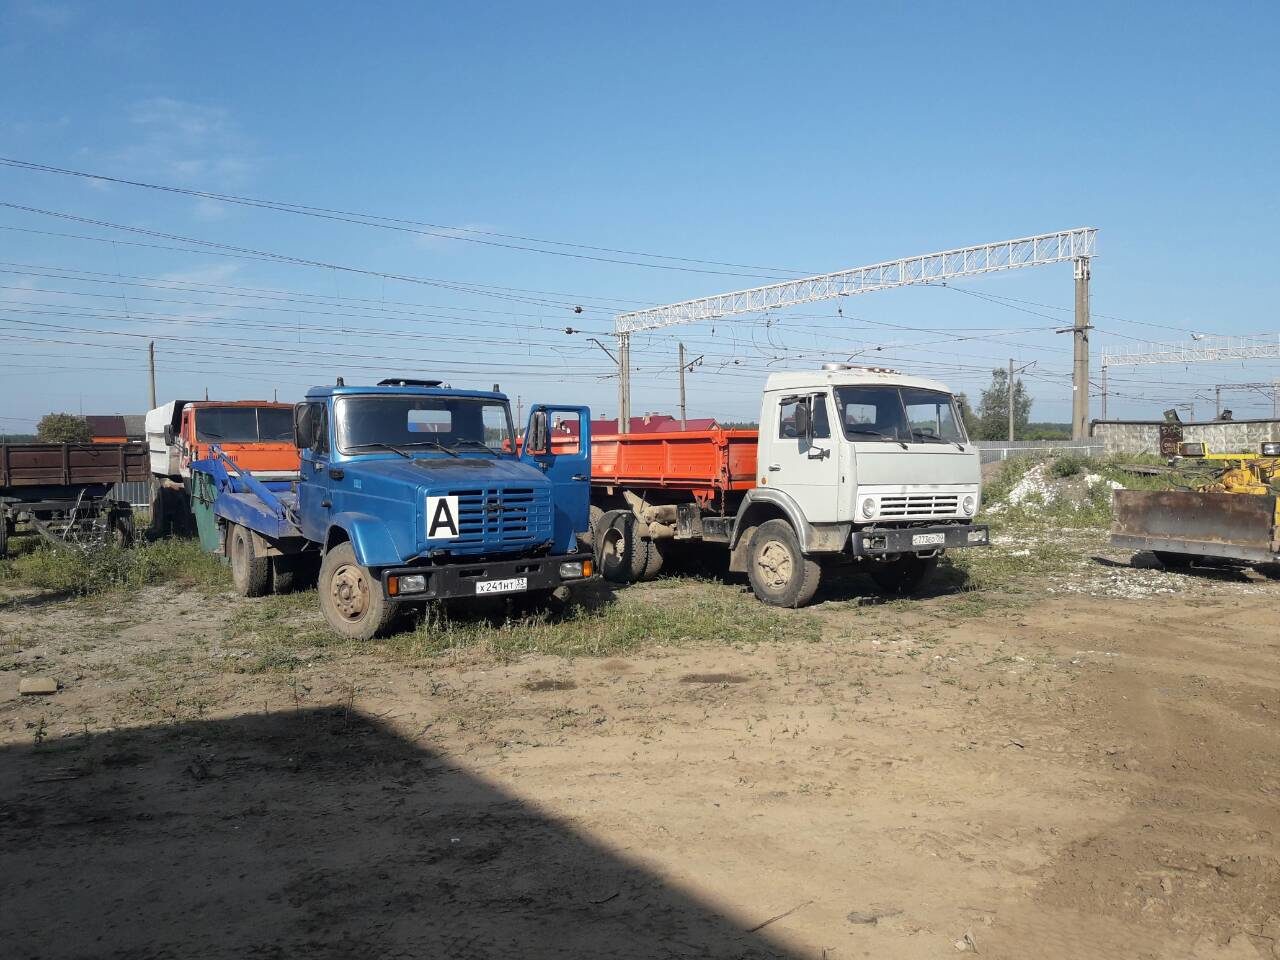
(514, 585)
(928, 539)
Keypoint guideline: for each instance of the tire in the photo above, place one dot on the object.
(1173, 561)
(250, 574)
(594, 515)
(351, 597)
(1269, 570)
(657, 551)
(158, 529)
(780, 574)
(904, 576)
(122, 530)
(620, 554)
(285, 574)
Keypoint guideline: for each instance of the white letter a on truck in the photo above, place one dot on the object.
(442, 518)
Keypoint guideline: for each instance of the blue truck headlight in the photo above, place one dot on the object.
(413, 583)
(575, 569)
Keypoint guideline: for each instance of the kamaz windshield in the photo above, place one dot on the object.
(451, 425)
(901, 414)
(244, 424)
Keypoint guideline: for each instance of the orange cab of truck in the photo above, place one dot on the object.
(256, 434)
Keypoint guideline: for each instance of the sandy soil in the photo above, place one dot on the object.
(1093, 771)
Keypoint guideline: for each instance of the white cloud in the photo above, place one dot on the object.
(186, 144)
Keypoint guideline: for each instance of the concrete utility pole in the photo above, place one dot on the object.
(1104, 392)
(151, 358)
(1012, 371)
(1009, 391)
(1217, 402)
(1080, 371)
(624, 383)
(682, 418)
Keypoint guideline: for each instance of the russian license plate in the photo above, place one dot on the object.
(928, 539)
(514, 585)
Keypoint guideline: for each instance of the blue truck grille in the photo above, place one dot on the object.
(502, 518)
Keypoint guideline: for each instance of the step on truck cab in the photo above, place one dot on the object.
(409, 491)
(850, 467)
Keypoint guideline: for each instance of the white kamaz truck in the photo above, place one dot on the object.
(850, 466)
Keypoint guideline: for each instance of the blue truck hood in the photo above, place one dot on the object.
(502, 505)
(445, 471)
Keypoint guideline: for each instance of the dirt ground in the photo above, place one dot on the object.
(1088, 767)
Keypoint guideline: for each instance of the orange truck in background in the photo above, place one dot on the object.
(256, 434)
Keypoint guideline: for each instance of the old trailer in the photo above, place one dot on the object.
(63, 491)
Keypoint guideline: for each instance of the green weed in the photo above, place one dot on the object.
(95, 570)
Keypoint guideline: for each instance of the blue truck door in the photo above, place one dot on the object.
(566, 462)
(314, 496)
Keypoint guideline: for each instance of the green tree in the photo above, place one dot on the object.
(993, 409)
(63, 428)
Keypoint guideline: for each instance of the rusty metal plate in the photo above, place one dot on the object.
(1211, 518)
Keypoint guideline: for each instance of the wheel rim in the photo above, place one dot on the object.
(614, 548)
(775, 565)
(350, 592)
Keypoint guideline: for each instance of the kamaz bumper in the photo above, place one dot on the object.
(948, 536)
(486, 578)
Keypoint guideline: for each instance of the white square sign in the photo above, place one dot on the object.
(442, 518)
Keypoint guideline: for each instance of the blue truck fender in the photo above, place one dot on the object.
(369, 536)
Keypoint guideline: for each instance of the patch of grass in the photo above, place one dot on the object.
(996, 489)
(73, 571)
(1068, 465)
(279, 634)
(707, 615)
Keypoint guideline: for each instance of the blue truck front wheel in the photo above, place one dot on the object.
(351, 597)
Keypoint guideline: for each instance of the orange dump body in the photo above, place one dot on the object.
(706, 463)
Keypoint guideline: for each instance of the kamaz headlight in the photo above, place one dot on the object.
(869, 507)
(967, 505)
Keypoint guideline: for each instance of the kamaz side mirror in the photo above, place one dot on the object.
(538, 439)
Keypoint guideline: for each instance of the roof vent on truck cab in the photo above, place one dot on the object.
(403, 382)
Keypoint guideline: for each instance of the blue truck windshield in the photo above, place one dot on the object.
(455, 425)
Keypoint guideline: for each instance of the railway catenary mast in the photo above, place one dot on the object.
(1077, 245)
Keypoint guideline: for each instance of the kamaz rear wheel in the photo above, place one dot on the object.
(351, 597)
(621, 554)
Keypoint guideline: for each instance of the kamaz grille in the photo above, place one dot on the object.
(920, 505)
(502, 518)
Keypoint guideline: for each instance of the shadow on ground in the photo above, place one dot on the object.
(317, 833)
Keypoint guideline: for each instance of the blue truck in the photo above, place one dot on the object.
(409, 491)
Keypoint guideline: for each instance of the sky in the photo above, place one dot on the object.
(510, 163)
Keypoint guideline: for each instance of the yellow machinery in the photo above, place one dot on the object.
(1231, 517)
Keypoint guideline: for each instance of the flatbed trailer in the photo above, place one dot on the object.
(63, 490)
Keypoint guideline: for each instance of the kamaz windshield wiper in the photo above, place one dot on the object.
(877, 433)
(934, 438)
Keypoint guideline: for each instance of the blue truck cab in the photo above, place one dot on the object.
(411, 491)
